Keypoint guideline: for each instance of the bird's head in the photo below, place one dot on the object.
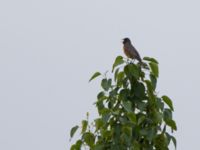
(126, 40)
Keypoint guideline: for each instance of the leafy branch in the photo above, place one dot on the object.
(131, 114)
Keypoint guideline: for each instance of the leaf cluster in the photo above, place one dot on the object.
(131, 114)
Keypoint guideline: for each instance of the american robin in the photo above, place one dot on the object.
(130, 50)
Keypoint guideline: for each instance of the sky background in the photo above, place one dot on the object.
(49, 49)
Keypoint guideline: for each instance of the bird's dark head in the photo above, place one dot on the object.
(126, 40)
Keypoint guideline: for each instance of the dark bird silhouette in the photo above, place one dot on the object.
(130, 50)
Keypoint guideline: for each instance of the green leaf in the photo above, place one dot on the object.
(151, 134)
(132, 117)
(161, 142)
(125, 139)
(143, 132)
(172, 124)
(116, 112)
(153, 81)
(139, 90)
(131, 70)
(167, 114)
(141, 119)
(127, 130)
(84, 125)
(157, 117)
(154, 69)
(120, 78)
(106, 84)
(160, 104)
(113, 93)
(123, 120)
(117, 130)
(89, 138)
(105, 112)
(101, 96)
(116, 74)
(105, 133)
(118, 61)
(100, 106)
(99, 147)
(96, 74)
(141, 106)
(150, 59)
(123, 94)
(73, 130)
(109, 82)
(149, 86)
(127, 106)
(77, 146)
(114, 147)
(98, 123)
(174, 141)
(73, 147)
(168, 101)
(136, 146)
(150, 91)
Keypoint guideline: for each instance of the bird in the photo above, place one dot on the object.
(130, 51)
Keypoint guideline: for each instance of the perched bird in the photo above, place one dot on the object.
(130, 50)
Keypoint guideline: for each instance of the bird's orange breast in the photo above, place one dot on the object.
(127, 53)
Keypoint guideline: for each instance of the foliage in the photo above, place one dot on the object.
(131, 114)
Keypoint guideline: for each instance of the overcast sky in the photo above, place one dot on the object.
(49, 49)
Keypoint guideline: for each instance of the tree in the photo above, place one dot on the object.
(131, 114)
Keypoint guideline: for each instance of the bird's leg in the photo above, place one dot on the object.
(127, 61)
(131, 61)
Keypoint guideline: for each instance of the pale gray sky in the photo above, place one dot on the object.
(49, 49)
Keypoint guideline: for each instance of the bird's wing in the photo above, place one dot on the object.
(138, 55)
